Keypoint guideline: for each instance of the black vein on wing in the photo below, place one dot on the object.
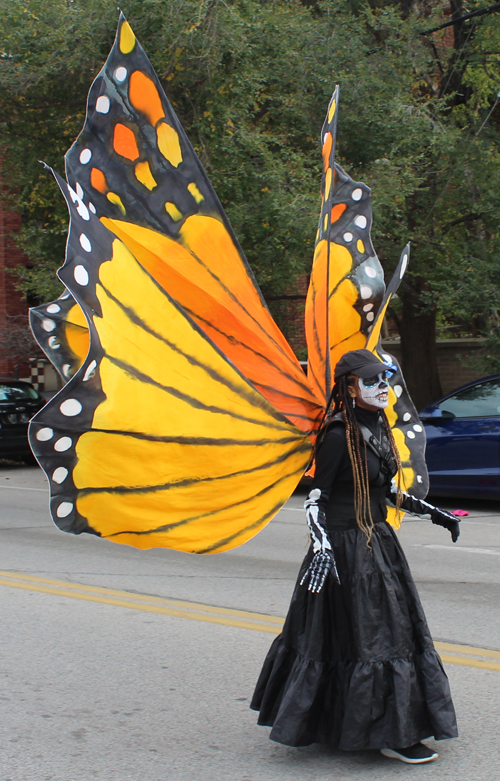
(233, 340)
(302, 447)
(242, 389)
(183, 522)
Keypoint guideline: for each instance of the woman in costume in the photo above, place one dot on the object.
(355, 666)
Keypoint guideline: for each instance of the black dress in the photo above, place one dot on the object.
(355, 666)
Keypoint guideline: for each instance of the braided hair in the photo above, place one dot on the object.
(341, 401)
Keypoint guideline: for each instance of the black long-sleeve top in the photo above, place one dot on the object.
(334, 476)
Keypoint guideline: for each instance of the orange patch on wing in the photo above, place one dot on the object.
(327, 148)
(124, 142)
(190, 270)
(338, 211)
(98, 180)
(328, 183)
(145, 97)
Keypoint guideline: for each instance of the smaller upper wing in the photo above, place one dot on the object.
(61, 330)
(347, 281)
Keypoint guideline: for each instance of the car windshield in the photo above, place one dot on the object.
(15, 392)
(478, 401)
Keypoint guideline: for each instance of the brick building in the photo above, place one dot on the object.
(13, 304)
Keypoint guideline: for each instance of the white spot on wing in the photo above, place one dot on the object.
(85, 156)
(82, 210)
(52, 309)
(90, 371)
(365, 291)
(360, 221)
(81, 275)
(63, 444)
(357, 194)
(48, 325)
(85, 242)
(370, 272)
(44, 434)
(120, 74)
(59, 475)
(102, 105)
(64, 509)
(70, 407)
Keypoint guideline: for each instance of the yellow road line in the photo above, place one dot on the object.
(143, 597)
(467, 649)
(195, 611)
(209, 618)
(467, 662)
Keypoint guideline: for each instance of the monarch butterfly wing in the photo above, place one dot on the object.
(61, 330)
(347, 281)
(347, 300)
(408, 432)
(134, 166)
(158, 440)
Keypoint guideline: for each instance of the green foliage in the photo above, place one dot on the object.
(250, 81)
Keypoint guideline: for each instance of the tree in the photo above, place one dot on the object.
(250, 80)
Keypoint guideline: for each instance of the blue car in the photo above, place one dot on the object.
(463, 441)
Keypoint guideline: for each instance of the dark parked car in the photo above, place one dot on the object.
(463, 441)
(19, 401)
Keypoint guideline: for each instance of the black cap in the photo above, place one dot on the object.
(362, 363)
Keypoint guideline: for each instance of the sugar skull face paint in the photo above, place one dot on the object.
(374, 391)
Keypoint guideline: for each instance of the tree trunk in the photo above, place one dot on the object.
(418, 346)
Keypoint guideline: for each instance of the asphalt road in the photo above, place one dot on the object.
(122, 665)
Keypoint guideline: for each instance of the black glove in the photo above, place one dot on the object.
(448, 520)
(411, 504)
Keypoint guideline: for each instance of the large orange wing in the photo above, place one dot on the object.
(134, 166)
(157, 440)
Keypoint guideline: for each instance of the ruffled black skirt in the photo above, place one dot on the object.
(355, 666)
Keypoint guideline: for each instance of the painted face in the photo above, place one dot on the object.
(374, 390)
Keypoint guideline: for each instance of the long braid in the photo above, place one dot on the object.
(400, 475)
(341, 401)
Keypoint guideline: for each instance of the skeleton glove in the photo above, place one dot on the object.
(323, 560)
(448, 520)
(420, 507)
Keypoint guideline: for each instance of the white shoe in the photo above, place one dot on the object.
(412, 755)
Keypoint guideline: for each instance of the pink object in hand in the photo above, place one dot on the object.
(460, 513)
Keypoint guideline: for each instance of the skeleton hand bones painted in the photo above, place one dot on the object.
(323, 560)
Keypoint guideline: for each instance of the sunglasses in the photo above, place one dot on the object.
(371, 382)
